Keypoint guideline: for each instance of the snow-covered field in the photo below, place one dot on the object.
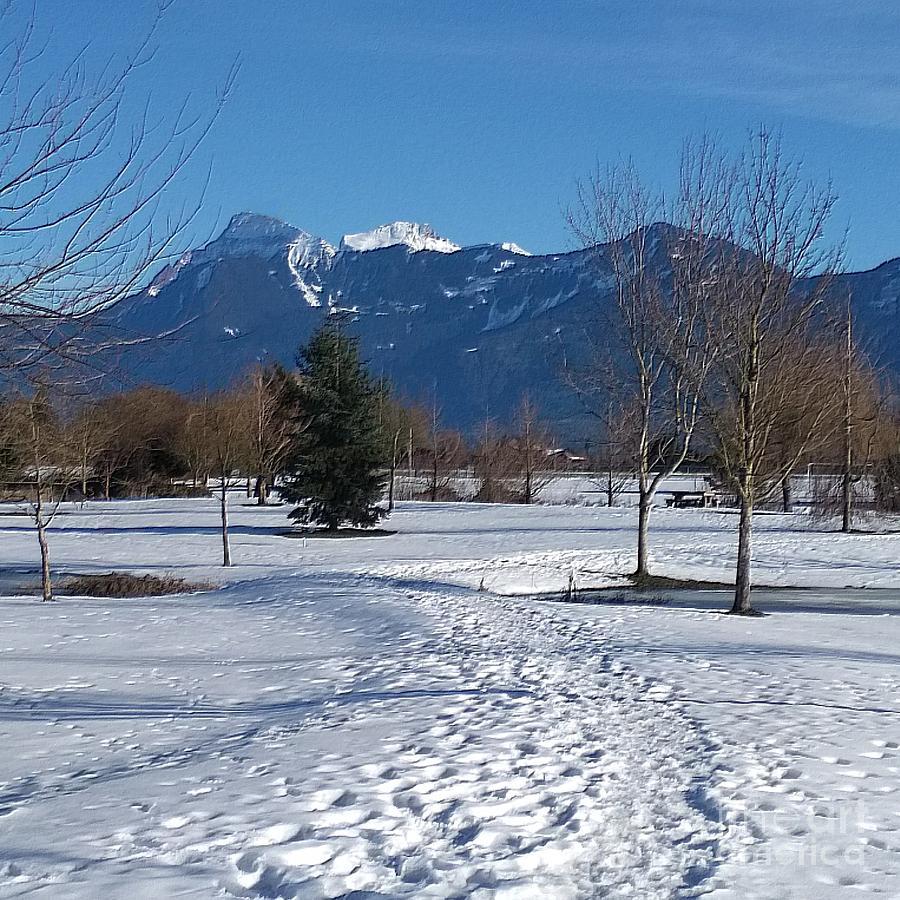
(352, 718)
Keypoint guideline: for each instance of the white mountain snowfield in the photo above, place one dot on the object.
(414, 236)
(353, 718)
(514, 248)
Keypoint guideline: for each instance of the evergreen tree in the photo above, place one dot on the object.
(334, 471)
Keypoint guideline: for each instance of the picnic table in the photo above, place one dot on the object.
(688, 499)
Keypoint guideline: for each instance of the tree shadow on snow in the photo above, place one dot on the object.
(101, 707)
(160, 529)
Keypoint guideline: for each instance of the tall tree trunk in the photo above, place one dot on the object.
(644, 506)
(434, 476)
(787, 495)
(645, 480)
(46, 584)
(610, 494)
(249, 486)
(529, 455)
(226, 547)
(847, 462)
(262, 490)
(741, 604)
(847, 470)
(846, 497)
(747, 477)
(394, 451)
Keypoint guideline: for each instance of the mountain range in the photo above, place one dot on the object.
(470, 328)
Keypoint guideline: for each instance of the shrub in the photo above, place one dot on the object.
(124, 584)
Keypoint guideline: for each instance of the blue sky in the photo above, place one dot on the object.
(477, 117)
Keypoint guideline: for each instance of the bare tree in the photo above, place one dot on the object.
(84, 217)
(84, 191)
(615, 450)
(404, 427)
(862, 411)
(144, 430)
(530, 446)
(660, 366)
(87, 433)
(193, 442)
(272, 407)
(227, 432)
(886, 462)
(118, 440)
(495, 465)
(848, 395)
(34, 438)
(444, 449)
(435, 448)
(860, 421)
(767, 327)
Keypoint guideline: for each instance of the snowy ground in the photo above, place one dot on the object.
(351, 718)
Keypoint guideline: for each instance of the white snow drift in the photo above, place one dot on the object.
(351, 718)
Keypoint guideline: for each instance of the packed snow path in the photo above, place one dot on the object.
(802, 711)
(329, 725)
(325, 737)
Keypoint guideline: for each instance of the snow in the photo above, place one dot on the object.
(307, 251)
(500, 318)
(354, 718)
(510, 247)
(414, 236)
(304, 254)
(251, 234)
(168, 274)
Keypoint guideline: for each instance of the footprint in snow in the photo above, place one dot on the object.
(275, 834)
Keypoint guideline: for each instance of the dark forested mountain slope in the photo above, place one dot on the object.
(474, 326)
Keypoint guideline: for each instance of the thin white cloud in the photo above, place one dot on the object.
(828, 60)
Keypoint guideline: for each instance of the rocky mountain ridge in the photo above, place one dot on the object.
(470, 327)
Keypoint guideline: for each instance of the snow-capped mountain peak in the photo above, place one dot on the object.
(510, 247)
(255, 235)
(252, 234)
(410, 234)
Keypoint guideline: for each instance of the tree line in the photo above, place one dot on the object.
(731, 338)
(335, 441)
(331, 438)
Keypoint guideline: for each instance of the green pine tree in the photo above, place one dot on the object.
(335, 470)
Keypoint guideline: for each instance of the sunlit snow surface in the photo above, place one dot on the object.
(411, 234)
(354, 718)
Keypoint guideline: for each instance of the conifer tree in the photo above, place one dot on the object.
(335, 469)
